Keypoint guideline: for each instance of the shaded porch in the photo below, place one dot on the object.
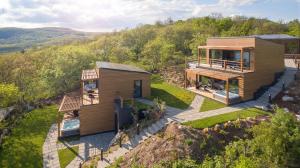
(217, 85)
(68, 115)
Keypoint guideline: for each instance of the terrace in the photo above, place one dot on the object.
(232, 59)
(220, 86)
(90, 90)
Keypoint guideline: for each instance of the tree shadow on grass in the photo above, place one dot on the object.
(23, 148)
(20, 153)
(170, 99)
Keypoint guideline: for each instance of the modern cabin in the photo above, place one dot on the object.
(93, 110)
(235, 69)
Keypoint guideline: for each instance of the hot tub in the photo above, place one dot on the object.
(70, 127)
(221, 95)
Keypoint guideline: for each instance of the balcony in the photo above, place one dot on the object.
(90, 90)
(225, 58)
(219, 64)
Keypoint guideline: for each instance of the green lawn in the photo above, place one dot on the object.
(211, 121)
(173, 96)
(209, 104)
(24, 147)
(138, 105)
(67, 155)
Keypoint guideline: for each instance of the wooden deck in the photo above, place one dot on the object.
(217, 66)
(208, 94)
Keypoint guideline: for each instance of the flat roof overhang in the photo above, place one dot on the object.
(214, 73)
(226, 47)
(70, 103)
(89, 74)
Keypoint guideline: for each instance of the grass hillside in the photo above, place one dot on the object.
(16, 39)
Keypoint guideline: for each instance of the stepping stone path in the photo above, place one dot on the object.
(287, 78)
(134, 141)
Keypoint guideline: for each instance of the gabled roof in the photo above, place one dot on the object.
(89, 74)
(275, 37)
(70, 102)
(119, 67)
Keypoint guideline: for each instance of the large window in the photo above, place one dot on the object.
(232, 55)
(215, 54)
(234, 86)
(246, 59)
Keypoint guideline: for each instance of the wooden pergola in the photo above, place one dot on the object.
(208, 59)
(69, 104)
(88, 75)
(216, 75)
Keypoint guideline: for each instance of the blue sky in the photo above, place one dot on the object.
(110, 15)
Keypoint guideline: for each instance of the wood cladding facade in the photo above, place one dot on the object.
(111, 84)
(267, 59)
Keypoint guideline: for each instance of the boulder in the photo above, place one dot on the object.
(205, 130)
(287, 98)
(217, 127)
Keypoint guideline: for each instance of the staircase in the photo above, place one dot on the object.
(134, 141)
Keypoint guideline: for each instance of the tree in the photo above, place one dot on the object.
(158, 52)
(9, 94)
(274, 144)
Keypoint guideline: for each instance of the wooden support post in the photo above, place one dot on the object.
(242, 60)
(185, 79)
(81, 91)
(199, 56)
(207, 56)
(225, 64)
(227, 91)
(58, 124)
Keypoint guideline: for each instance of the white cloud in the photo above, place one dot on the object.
(107, 15)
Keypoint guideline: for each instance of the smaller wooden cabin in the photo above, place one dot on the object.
(100, 87)
(234, 69)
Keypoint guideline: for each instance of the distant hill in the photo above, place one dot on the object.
(16, 39)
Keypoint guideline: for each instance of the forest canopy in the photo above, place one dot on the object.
(49, 71)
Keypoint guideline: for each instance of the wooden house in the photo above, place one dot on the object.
(235, 69)
(93, 110)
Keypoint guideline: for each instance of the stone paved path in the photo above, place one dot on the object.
(50, 155)
(88, 146)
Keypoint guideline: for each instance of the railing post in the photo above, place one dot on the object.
(242, 60)
(120, 141)
(225, 64)
(101, 155)
(210, 62)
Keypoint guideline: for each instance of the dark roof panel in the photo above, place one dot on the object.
(120, 67)
(263, 36)
(275, 36)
